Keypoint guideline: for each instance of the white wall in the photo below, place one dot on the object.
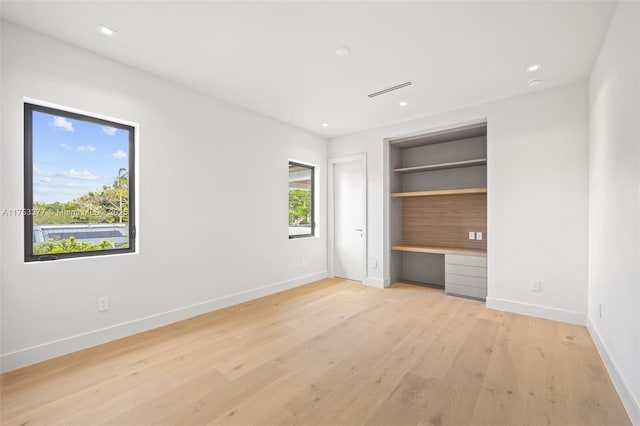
(537, 197)
(213, 216)
(614, 204)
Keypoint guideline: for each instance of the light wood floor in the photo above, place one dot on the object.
(333, 352)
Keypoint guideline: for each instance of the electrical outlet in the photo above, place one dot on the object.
(472, 235)
(534, 285)
(600, 310)
(373, 264)
(479, 236)
(303, 263)
(103, 303)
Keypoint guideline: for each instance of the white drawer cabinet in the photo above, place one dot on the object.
(469, 271)
(467, 280)
(465, 276)
(459, 259)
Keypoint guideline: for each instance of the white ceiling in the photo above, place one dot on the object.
(278, 58)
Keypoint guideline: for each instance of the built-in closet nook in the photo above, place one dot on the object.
(438, 210)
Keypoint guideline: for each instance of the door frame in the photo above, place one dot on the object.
(362, 158)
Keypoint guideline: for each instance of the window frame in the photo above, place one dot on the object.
(313, 199)
(29, 109)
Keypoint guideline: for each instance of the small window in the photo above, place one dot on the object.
(301, 204)
(79, 185)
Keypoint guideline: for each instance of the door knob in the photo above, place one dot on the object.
(359, 229)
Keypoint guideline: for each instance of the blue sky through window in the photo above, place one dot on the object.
(72, 157)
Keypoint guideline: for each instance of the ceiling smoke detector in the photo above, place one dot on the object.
(390, 89)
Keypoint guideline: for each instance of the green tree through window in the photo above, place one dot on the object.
(301, 197)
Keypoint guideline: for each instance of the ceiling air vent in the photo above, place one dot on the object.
(390, 89)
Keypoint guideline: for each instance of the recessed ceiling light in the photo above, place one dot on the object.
(343, 51)
(534, 68)
(108, 31)
(535, 82)
(404, 103)
(325, 124)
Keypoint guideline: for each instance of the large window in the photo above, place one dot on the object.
(301, 196)
(79, 185)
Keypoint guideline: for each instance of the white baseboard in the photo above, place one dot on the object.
(537, 311)
(375, 282)
(23, 357)
(631, 404)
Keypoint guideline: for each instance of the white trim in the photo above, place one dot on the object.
(436, 129)
(80, 111)
(555, 314)
(31, 355)
(377, 282)
(362, 157)
(631, 404)
(386, 211)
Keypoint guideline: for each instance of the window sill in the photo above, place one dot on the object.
(67, 259)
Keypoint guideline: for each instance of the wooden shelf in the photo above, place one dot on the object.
(442, 166)
(438, 250)
(440, 192)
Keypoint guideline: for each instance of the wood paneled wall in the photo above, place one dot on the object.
(445, 221)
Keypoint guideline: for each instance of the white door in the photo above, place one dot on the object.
(348, 220)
